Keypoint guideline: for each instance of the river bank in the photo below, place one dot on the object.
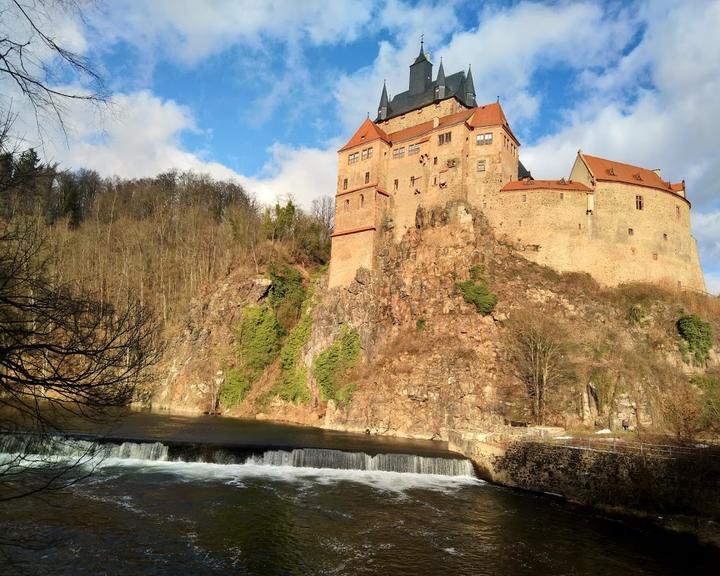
(672, 488)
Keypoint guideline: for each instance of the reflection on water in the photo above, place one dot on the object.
(158, 517)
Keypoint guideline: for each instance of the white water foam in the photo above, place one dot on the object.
(388, 472)
(237, 474)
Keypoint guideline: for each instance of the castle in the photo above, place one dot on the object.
(432, 146)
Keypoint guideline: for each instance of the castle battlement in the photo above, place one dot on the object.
(433, 144)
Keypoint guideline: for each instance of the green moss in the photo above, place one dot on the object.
(421, 324)
(258, 343)
(235, 388)
(698, 337)
(476, 292)
(332, 365)
(259, 338)
(286, 295)
(292, 384)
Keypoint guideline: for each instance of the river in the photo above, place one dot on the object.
(186, 495)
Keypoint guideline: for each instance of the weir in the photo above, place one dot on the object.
(108, 449)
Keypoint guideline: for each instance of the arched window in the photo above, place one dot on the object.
(362, 200)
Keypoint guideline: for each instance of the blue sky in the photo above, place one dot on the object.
(265, 92)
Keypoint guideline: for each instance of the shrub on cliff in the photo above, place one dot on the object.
(332, 364)
(286, 294)
(697, 336)
(292, 384)
(475, 291)
(235, 388)
(258, 343)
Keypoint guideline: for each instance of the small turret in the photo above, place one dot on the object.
(470, 89)
(383, 108)
(440, 90)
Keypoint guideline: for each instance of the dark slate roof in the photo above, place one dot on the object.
(405, 102)
(523, 172)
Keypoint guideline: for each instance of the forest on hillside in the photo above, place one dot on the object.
(157, 241)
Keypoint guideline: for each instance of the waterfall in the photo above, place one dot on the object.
(78, 447)
(339, 460)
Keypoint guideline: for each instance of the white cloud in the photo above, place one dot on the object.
(141, 136)
(188, 31)
(303, 174)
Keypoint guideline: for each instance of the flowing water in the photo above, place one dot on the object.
(263, 499)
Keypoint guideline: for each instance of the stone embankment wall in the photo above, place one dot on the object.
(677, 488)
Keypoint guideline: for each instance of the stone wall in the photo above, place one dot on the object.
(614, 242)
(677, 488)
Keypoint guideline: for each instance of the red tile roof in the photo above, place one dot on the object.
(368, 132)
(611, 171)
(545, 185)
(491, 115)
(487, 115)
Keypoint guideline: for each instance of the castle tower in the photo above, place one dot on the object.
(418, 155)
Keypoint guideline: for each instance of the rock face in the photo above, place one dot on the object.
(431, 364)
(430, 359)
(192, 371)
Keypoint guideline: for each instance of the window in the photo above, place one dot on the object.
(413, 149)
(367, 177)
(562, 195)
(524, 197)
(483, 139)
(444, 138)
(435, 160)
(345, 184)
(367, 153)
(677, 212)
(654, 255)
(362, 200)
(639, 202)
(434, 180)
(354, 157)
(412, 180)
(481, 166)
(631, 232)
(347, 204)
(665, 237)
(399, 152)
(395, 184)
(519, 223)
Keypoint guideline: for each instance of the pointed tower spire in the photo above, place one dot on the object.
(420, 72)
(384, 104)
(470, 89)
(440, 89)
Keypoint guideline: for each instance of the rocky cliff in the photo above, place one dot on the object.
(429, 362)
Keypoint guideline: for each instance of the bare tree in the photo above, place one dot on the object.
(537, 349)
(33, 60)
(62, 352)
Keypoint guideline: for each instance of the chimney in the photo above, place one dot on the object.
(436, 122)
(657, 171)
